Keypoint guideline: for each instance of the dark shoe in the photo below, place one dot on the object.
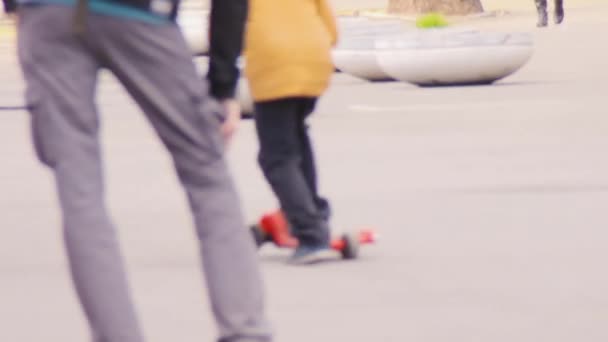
(559, 11)
(559, 15)
(306, 255)
(543, 19)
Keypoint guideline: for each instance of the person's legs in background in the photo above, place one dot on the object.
(559, 11)
(541, 7)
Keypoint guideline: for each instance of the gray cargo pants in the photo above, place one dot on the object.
(154, 65)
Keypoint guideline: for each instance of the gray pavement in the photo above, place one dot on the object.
(491, 202)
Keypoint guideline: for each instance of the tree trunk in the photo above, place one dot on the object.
(449, 7)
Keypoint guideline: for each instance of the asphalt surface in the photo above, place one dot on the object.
(491, 202)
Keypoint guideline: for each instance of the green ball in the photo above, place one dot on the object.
(431, 20)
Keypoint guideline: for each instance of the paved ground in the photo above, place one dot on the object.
(491, 202)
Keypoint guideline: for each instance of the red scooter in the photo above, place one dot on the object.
(273, 227)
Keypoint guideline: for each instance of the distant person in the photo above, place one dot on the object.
(63, 46)
(288, 65)
(541, 6)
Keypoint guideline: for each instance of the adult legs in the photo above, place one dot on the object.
(156, 67)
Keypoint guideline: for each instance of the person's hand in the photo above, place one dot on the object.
(232, 110)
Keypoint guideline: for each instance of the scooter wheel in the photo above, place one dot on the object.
(351, 246)
(259, 236)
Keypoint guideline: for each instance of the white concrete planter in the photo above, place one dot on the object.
(355, 53)
(361, 63)
(356, 27)
(436, 59)
(195, 28)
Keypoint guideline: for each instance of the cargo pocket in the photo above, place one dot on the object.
(40, 124)
(41, 119)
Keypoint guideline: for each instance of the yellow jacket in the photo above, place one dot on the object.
(288, 48)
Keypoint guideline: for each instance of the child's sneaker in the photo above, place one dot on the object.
(306, 255)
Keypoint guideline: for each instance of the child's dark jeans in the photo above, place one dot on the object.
(287, 160)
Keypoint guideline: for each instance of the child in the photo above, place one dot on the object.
(288, 66)
(541, 6)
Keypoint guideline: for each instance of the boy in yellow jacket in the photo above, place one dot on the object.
(288, 66)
